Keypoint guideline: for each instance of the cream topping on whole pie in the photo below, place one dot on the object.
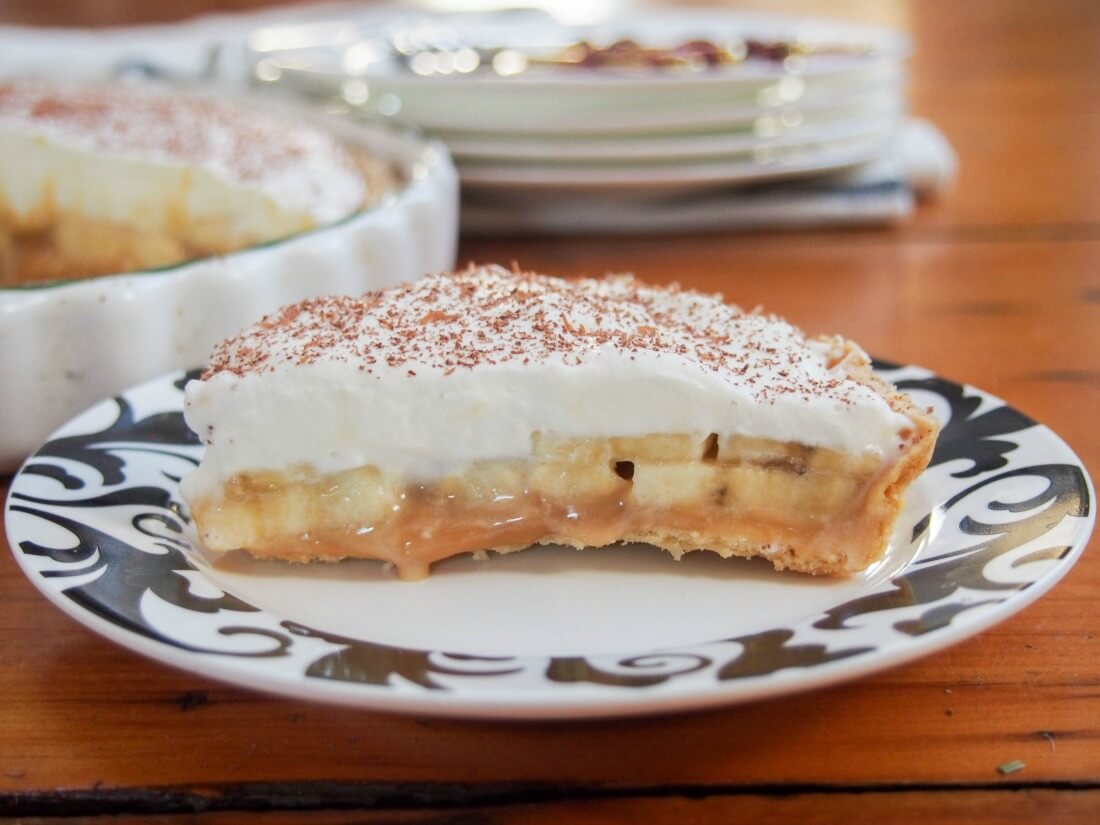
(97, 178)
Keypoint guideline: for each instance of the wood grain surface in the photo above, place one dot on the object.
(997, 285)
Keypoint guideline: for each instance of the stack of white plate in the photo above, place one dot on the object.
(780, 97)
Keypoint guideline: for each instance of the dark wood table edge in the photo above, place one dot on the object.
(427, 796)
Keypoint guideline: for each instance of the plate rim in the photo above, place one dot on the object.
(686, 176)
(564, 704)
(684, 148)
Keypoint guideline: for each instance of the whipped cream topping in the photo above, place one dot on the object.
(425, 379)
(297, 166)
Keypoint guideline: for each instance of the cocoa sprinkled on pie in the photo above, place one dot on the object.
(489, 316)
(239, 144)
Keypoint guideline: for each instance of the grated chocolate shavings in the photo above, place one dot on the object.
(293, 163)
(486, 316)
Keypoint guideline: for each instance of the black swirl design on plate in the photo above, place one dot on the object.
(634, 671)
(759, 654)
(930, 581)
(965, 435)
(125, 574)
(95, 449)
(146, 553)
(376, 664)
(768, 652)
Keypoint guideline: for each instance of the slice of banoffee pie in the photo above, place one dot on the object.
(494, 410)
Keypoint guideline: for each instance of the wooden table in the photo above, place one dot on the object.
(996, 285)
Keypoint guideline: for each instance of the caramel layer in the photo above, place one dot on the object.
(814, 511)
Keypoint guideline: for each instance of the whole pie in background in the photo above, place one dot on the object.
(108, 179)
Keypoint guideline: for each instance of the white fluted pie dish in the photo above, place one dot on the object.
(64, 345)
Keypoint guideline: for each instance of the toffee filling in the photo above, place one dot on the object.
(805, 509)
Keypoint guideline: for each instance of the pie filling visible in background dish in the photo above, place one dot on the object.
(104, 179)
(490, 410)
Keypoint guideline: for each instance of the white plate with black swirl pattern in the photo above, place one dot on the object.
(95, 521)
